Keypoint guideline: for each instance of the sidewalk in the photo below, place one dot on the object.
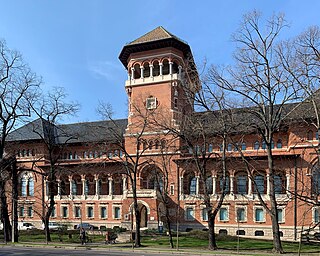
(155, 250)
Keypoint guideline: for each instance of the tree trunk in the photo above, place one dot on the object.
(212, 235)
(4, 213)
(15, 234)
(137, 242)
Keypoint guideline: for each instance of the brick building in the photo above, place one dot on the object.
(92, 184)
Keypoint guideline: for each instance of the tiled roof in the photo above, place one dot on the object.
(70, 133)
(158, 33)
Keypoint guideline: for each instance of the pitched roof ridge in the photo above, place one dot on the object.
(93, 122)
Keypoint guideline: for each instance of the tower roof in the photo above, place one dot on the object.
(155, 39)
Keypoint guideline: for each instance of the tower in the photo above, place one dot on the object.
(161, 76)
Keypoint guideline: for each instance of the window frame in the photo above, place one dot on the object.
(226, 208)
(263, 215)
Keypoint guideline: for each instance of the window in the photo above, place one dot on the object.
(64, 211)
(242, 184)
(70, 155)
(151, 103)
(272, 144)
(23, 186)
(279, 144)
(77, 212)
(172, 190)
(229, 147)
(53, 213)
(193, 186)
(243, 146)
(86, 187)
(278, 184)
(259, 215)
(30, 187)
(224, 184)
(240, 232)
(85, 154)
(30, 211)
(223, 214)
(310, 135)
(90, 211)
(90, 154)
(103, 212)
(280, 215)
(259, 184)
(256, 145)
(189, 213)
(241, 214)
(210, 148)
(209, 185)
(74, 187)
(204, 214)
(263, 145)
(236, 147)
(259, 233)
(316, 213)
(21, 211)
(316, 181)
(175, 103)
(117, 212)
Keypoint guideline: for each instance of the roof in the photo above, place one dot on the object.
(156, 39)
(70, 133)
(158, 33)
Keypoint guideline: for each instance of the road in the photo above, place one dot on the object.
(34, 251)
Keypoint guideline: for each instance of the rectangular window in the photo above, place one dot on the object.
(204, 214)
(53, 213)
(21, 211)
(151, 103)
(241, 214)
(280, 215)
(223, 214)
(172, 190)
(30, 211)
(77, 212)
(90, 211)
(259, 215)
(117, 213)
(103, 212)
(316, 217)
(64, 211)
(189, 213)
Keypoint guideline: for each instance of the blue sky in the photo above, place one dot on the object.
(76, 43)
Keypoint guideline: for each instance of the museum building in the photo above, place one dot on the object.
(92, 184)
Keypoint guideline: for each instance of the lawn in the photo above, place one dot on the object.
(187, 240)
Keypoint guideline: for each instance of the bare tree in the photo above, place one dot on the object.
(51, 109)
(258, 81)
(18, 86)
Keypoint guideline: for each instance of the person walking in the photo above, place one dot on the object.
(83, 236)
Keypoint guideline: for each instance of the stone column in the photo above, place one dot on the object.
(59, 187)
(83, 180)
(181, 186)
(110, 186)
(132, 73)
(268, 184)
(288, 183)
(124, 184)
(96, 179)
(141, 69)
(70, 185)
(214, 178)
(249, 186)
(160, 66)
(151, 70)
(170, 67)
(197, 185)
(231, 184)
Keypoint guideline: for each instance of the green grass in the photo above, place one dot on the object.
(192, 240)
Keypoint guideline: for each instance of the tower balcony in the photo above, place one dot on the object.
(153, 80)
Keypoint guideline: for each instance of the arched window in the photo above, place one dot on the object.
(229, 147)
(259, 184)
(243, 146)
(316, 181)
(70, 155)
(242, 183)
(156, 68)
(30, 187)
(210, 148)
(23, 182)
(209, 185)
(279, 143)
(263, 144)
(272, 144)
(256, 145)
(165, 67)
(146, 70)
(224, 184)
(279, 184)
(193, 186)
(310, 135)
(137, 71)
(175, 68)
